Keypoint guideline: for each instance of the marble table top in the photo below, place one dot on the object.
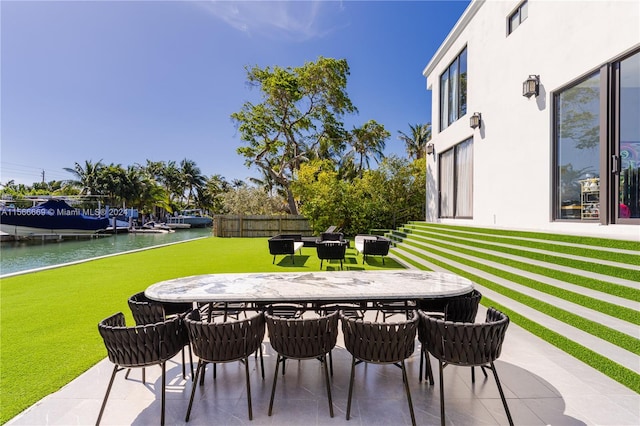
(335, 286)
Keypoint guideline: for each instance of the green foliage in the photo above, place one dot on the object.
(380, 198)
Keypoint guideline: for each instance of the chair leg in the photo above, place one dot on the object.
(326, 378)
(504, 401)
(106, 395)
(246, 369)
(274, 259)
(273, 388)
(199, 369)
(261, 362)
(406, 388)
(353, 367)
(441, 394)
(164, 382)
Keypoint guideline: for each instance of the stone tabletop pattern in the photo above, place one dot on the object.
(310, 286)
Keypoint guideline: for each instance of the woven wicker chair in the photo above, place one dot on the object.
(217, 342)
(331, 250)
(457, 309)
(466, 344)
(380, 343)
(140, 346)
(146, 311)
(302, 338)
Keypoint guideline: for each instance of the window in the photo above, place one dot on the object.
(578, 150)
(456, 181)
(597, 145)
(518, 16)
(453, 91)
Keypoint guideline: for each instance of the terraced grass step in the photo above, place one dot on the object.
(581, 294)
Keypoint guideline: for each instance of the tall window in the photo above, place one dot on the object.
(453, 91)
(578, 150)
(456, 181)
(518, 16)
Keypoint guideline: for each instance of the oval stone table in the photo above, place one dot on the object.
(334, 286)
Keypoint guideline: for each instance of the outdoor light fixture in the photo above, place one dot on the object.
(531, 86)
(429, 149)
(476, 120)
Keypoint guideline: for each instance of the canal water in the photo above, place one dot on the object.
(17, 256)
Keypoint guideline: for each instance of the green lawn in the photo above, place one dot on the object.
(48, 319)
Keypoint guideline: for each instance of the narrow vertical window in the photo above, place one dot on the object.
(456, 181)
(453, 91)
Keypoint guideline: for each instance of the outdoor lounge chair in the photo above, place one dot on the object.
(285, 244)
(331, 250)
(372, 245)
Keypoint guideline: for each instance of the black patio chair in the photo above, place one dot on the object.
(331, 250)
(457, 309)
(466, 344)
(302, 338)
(218, 342)
(380, 343)
(140, 346)
(146, 311)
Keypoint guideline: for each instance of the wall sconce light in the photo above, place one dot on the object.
(531, 86)
(429, 149)
(476, 120)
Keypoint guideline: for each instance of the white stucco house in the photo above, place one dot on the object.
(562, 155)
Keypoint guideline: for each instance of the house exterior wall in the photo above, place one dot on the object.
(513, 149)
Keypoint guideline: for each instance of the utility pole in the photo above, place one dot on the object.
(42, 175)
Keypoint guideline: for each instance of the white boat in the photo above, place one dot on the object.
(152, 228)
(194, 217)
(175, 222)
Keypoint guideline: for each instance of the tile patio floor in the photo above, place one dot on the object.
(543, 386)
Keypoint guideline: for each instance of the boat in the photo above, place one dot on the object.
(175, 222)
(152, 228)
(194, 217)
(53, 216)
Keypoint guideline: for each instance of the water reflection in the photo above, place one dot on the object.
(25, 255)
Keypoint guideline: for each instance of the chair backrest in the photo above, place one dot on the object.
(141, 345)
(281, 246)
(379, 342)
(378, 247)
(466, 344)
(144, 310)
(332, 236)
(463, 308)
(331, 250)
(303, 338)
(225, 341)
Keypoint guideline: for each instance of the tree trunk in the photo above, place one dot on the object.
(293, 208)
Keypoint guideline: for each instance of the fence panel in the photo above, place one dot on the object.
(259, 226)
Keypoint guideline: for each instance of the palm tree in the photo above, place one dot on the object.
(87, 177)
(191, 178)
(366, 142)
(416, 143)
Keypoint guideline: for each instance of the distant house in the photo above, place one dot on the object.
(536, 118)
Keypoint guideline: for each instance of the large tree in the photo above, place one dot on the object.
(299, 116)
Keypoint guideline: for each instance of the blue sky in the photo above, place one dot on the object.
(127, 81)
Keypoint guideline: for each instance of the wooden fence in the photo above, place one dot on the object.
(259, 226)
